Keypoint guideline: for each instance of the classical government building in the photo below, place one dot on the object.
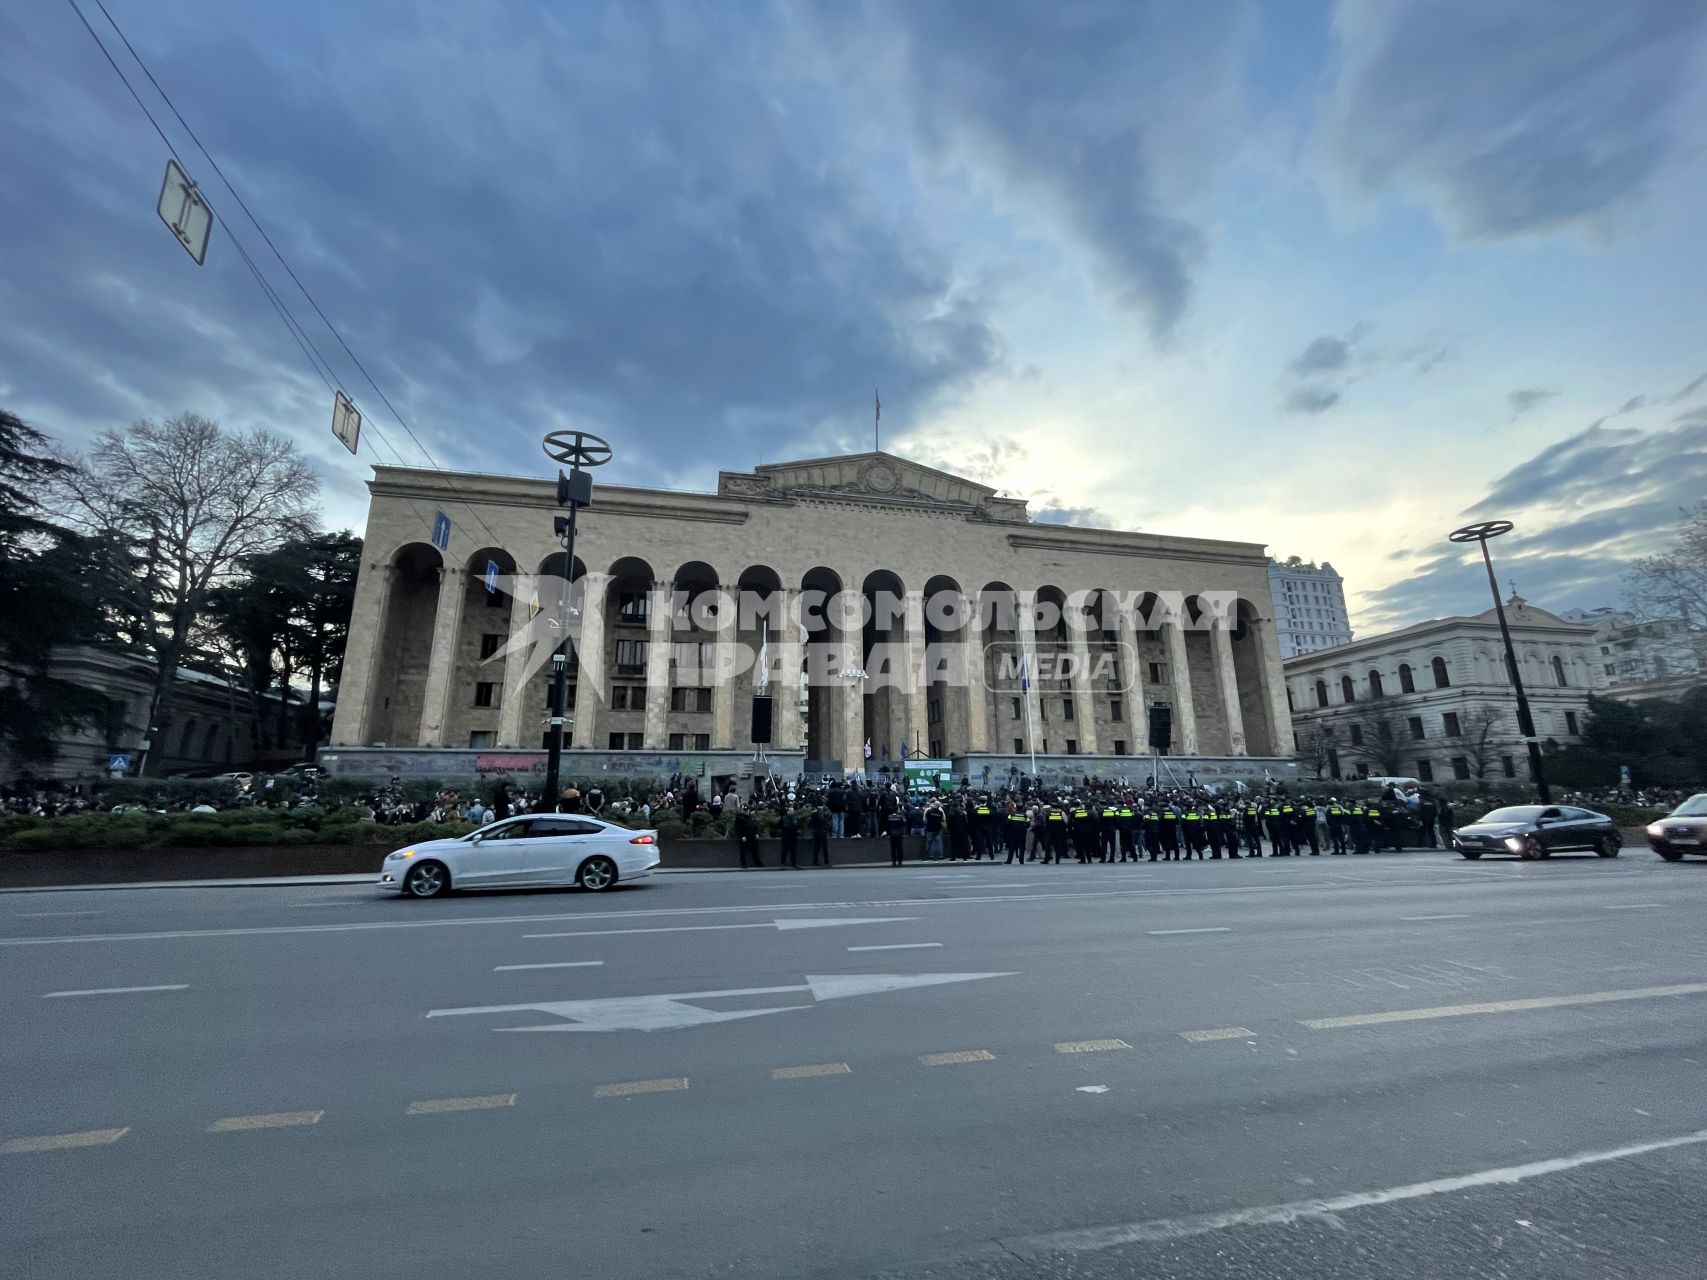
(1434, 702)
(1085, 647)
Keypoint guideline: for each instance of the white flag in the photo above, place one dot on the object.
(765, 662)
(868, 748)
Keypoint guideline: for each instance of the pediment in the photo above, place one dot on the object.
(870, 477)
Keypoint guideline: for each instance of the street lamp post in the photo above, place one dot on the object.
(574, 490)
(1480, 533)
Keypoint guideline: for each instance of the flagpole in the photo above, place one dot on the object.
(1030, 733)
(877, 422)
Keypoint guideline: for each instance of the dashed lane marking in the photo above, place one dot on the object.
(1631, 906)
(63, 1141)
(629, 1088)
(558, 964)
(276, 1120)
(1505, 1006)
(897, 946)
(950, 1059)
(1457, 917)
(434, 1106)
(807, 1073)
(116, 991)
(1219, 1033)
(1165, 933)
(1090, 1046)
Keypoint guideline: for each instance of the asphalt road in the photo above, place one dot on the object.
(1391, 1066)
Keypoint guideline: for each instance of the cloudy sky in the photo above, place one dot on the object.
(1331, 276)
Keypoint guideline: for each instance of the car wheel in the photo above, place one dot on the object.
(1471, 854)
(1670, 855)
(426, 880)
(1534, 850)
(1609, 846)
(596, 874)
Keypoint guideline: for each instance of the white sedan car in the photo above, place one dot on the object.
(524, 852)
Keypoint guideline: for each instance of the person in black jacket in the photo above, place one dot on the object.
(819, 825)
(959, 832)
(747, 838)
(895, 827)
(788, 830)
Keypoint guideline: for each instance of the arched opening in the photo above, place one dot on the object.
(1321, 693)
(1441, 679)
(1152, 680)
(822, 663)
(1559, 672)
(949, 642)
(1252, 680)
(759, 620)
(1376, 688)
(1407, 681)
(1056, 726)
(997, 623)
(1348, 690)
(692, 672)
(1214, 737)
(475, 693)
(888, 722)
(627, 614)
(405, 646)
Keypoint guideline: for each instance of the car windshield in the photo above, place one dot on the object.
(1514, 813)
(1694, 807)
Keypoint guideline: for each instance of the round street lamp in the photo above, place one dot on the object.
(1480, 533)
(575, 490)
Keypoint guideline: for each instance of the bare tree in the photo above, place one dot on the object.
(1315, 749)
(192, 500)
(1374, 736)
(1672, 588)
(1480, 729)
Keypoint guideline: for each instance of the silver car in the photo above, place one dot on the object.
(524, 852)
(1683, 830)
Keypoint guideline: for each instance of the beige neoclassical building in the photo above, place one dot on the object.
(1071, 643)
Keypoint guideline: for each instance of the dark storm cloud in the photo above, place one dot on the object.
(1079, 104)
(1311, 400)
(1584, 509)
(629, 217)
(1512, 118)
(1522, 401)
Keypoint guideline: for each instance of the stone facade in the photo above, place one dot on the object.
(1165, 636)
(1433, 701)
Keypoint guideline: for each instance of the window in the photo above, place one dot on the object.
(1460, 768)
(627, 741)
(1415, 724)
(1383, 731)
(1406, 683)
(630, 657)
(1509, 764)
(1559, 672)
(1114, 711)
(1120, 746)
(1321, 693)
(632, 606)
(692, 656)
(690, 699)
(489, 644)
(1362, 769)
(480, 738)
(1157, 673)
(1611, 670)
(617, 740)
(1425, 771)
(1067, 707)
(1019, 746)
(1571, 723)
(1348, 691)
(1018, 708)
(933, 713)
(1072, 746)
(483, 693)
(619, 697)
(1375, 688)
(678, 742)
(1357, 735)
(1450, 722)
(1113, 669)
(1441, 680)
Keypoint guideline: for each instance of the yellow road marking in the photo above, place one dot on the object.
(805, 1073)
(1506, 1006)
(435, 1105)
(628, 1088)
(963, 1055)
(64, 1141)
(1090, 1046)
(1219, 1033)
(275, 1120)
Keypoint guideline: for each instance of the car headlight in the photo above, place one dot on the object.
(1655, 829)
(1514, 843)
(400, 855)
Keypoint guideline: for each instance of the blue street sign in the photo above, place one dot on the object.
(118, 763)
(441, 531)
(492, 576)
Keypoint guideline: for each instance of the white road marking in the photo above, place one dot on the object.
(117, 991)
(1505, 1006)
(1092, 1239)
(898, 946)
(782, 926)
(1460, 917)
(559, 964)
(1163, 933)
(43, 915)
(1630, 906)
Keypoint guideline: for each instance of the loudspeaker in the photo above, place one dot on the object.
(761, 720)
(1161, 729)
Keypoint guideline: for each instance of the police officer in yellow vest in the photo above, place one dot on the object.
(1191, 823)
(1359, 827)
(1274, 819)
(983, 829)
(1336, 824)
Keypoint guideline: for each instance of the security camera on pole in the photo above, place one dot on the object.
(574, 490)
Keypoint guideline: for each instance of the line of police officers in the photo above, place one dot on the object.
(1169, 826)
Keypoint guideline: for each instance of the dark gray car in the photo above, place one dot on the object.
(1683, 830)
(1535, 831)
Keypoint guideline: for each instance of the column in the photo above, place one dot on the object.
(354, 712)
(1084, 708)
(447, 630)
(514, 715)
(1185, 717)
(1221, 645)
(588, 635)
(977, 696)
(785, 685)
(723, 692)
(850, 703)
(1137, 708)
(1026, 606)
(915, 690)
(1273, 684)
(659, 633)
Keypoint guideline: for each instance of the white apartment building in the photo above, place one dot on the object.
(1633, 650)
(1309, 606)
